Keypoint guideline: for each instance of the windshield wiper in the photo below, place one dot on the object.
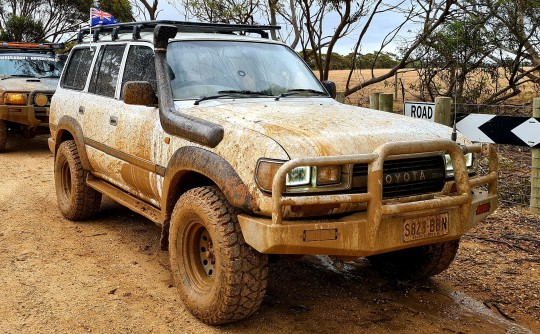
(49, 76)
(300, 91)
(244, 92)
(225, 93)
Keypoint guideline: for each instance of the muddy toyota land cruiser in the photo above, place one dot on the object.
(229, 142)
(29, 75)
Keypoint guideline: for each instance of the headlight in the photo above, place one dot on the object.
(469, 163)
(299, 179)
(328, 175)
(15, 98)
(299, 176)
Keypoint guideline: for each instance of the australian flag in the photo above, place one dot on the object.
(99, 17)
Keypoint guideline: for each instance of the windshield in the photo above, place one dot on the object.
(205, 68)
(29, 66)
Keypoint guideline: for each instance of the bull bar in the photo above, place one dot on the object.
(277, 236)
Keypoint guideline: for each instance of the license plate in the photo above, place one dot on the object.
(425, 227)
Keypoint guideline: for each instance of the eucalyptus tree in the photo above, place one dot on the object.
(60, 17)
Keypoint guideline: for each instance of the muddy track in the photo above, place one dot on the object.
(108, 275)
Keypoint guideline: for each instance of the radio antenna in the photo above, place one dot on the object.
(454, 129)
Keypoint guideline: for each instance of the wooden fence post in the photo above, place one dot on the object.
(374, 100)
(386, 102)
(443, 110)
(395, 86)
(340, 97)
(535, 167)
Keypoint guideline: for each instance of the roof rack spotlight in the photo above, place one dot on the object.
(137, 32)
(114, 34)
(218, 28)
(95, 35)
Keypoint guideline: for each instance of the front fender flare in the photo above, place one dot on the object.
(195, 159)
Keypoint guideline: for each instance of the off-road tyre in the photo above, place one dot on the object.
(231, 284)
(3, 135)
(76, 200)
(417, 263)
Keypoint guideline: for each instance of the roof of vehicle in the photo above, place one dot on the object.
(26, 54)
(143, 31)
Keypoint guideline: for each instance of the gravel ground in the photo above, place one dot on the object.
(108, 275)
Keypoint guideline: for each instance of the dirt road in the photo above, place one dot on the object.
(108, 275)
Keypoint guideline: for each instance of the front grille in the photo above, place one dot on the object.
(405, 177)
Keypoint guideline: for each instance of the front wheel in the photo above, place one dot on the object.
(220, 278)
(417, 263)
(3, 135)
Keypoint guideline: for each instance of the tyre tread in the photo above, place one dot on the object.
(246, 277)
(417, 263)
(86, 201)
(3, 135)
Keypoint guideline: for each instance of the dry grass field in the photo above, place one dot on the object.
(408, 77)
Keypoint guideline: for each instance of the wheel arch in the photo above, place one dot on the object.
(69, 129)
(192, 167)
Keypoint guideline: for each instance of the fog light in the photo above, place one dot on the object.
(15, 98)
(41, 100)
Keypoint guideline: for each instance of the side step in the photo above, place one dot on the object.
(125, 199)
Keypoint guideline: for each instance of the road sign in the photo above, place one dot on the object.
(511, 130)
(421, 110)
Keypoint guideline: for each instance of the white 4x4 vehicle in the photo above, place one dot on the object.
(233, 146)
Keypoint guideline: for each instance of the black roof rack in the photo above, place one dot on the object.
(137, 27)
(34, 47)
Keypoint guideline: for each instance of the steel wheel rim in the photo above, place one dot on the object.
(65, 179)
(198, 256)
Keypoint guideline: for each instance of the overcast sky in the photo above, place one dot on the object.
(380, 26)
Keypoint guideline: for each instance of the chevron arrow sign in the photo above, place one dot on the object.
(511, 130)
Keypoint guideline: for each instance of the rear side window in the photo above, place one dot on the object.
(106, 71)
(140, 66)
(77, 70)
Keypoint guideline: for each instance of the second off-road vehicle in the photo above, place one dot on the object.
(29, 74)
(231, 144)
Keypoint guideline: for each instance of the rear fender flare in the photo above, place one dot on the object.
(69, 124)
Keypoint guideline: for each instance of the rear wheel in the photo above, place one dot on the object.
(417, 263)
(3, 135)
(76, 199)
(219, 277)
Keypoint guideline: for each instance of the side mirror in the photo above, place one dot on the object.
(140, 93)
(330, 88)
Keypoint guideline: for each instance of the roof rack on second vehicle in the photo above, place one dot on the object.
(183, 26)
(35, 47)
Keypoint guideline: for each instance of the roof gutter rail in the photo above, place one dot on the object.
(186, 126)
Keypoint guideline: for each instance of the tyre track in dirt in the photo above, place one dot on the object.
(108, 275)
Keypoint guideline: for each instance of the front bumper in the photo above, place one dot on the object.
(27, 115)
(379, 229)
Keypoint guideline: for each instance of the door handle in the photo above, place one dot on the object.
(113, 120)
(81, 110)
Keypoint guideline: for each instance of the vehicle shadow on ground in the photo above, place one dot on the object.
(309, 295)
(18, 144)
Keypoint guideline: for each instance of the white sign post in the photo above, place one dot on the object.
(422, 110)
